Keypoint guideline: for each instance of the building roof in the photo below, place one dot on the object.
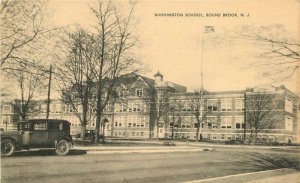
(158, 74)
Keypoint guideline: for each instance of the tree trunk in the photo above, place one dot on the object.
(157, 129)
(173, 131)
(198, 131)
(83, 129)
(103, 133)
(97, 129)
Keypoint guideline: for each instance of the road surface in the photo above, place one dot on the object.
(46, 167)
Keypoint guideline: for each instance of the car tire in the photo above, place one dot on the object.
(62, 148)
(7, 147)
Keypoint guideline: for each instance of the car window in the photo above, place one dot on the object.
(53, 125)
(24, 126)
(40, 126)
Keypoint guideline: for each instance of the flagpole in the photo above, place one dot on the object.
(201, 90)
(207, 29)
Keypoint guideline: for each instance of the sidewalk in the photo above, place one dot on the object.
(206, 144)
(140, 149)
(269, 176)
(170, 146)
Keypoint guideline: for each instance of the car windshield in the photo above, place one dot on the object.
(24, 126)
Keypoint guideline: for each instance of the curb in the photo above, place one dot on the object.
(229, 178)
(93, 151)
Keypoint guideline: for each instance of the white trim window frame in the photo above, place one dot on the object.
(288, 123)
(239, 104)
(6, 120)
(226, 104)
(239, 122)
(226, 122)
(6, 109)
(139, 92)
(212, 105)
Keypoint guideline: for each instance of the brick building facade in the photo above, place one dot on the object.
(153, 107)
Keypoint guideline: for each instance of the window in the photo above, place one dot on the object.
(108, 107)
(44, 108)
(215, 137)
(226, 104)
(145, 107)
(123, 93)
(239, 104)
(58, 108)
(40, 126)
(237, 137)
(142, 133)
(120, 108)
(239, 122)
(186, 105)
(136, 107)
(222, 137)
(186, 121)
(117, 107)
(226, 122)
(53, 126)
(145, 120)
(5, 120)
(212, 104)
(130, 106)
(6, 109)
(289, 123)
(288, 105)
(211, 122)
(139, 92)
(24, 126)
(69, 109)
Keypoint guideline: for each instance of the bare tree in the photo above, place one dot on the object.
(175, 115)
(196, 103)
(149, 99)
(30, 85)
(115, 40)
(75, 75)
(161, 107)
(21, 34)
(261, 109)
(278, 52)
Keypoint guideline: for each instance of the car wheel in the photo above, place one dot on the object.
(7, 147)
(62, 148)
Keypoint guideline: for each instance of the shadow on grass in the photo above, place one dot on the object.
(260, 162)
(47, 153)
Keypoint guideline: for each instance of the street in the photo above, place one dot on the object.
(44, 166)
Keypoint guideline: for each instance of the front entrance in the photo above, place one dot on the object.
(161, 132)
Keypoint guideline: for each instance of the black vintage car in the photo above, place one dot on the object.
(38, 133)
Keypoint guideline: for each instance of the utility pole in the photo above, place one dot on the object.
(49, 90)
(245, 117)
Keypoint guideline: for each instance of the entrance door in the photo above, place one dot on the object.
(161, 132)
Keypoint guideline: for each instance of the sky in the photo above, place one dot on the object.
(173, 44)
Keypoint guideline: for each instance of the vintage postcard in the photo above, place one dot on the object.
(150, 91)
